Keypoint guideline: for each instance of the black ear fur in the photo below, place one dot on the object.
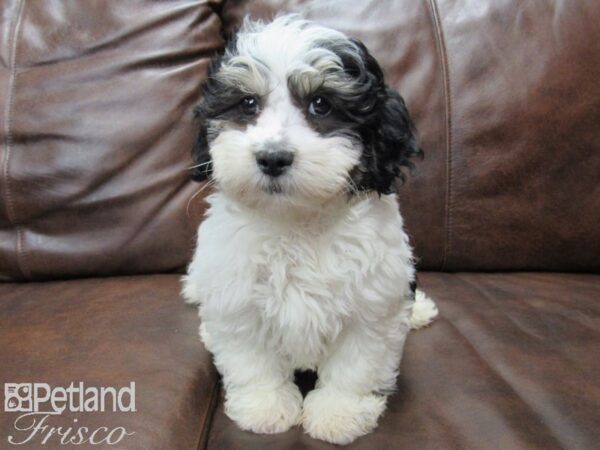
(396, 141)
(389, 136)
(202, 168)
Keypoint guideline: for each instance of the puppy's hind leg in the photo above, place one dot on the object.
(423, 312)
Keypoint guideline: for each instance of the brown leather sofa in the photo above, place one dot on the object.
(96, 221)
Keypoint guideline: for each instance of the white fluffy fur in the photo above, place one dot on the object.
(329, 294)
(307, 278)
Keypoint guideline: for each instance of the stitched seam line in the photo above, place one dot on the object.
(445, 66)
(8, 140)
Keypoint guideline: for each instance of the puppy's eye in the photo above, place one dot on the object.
(319, 106)
(249, 106)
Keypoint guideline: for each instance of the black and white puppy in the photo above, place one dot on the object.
(302, 261)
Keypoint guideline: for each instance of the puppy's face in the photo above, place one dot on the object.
(295, 114)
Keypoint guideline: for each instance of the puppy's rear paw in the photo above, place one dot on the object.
(264, 411)
(340, 417)
(424, 311)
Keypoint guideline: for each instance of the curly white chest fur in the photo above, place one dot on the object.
(294, 289)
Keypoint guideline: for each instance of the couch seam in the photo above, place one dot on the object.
(208, 418)
(8, 141)
(445, 67)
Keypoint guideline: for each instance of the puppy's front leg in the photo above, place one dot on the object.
(260, 395)
(353, 382)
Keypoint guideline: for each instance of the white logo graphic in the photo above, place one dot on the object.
(36, 403)
(17, 397)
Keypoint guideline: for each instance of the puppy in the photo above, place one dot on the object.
(302, 261)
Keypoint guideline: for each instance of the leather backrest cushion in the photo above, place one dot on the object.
(97, 128)
(506, 97)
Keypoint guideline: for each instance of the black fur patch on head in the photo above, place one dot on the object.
(202, 168)
(221, 103)
(372, 113)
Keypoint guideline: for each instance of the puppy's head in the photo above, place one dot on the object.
(296, 114)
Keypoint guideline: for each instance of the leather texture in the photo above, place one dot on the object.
(506, 96)
(511, 363)
(110, 332)
(96, 130)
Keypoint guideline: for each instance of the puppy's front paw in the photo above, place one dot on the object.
(262, 410)
(340, 417)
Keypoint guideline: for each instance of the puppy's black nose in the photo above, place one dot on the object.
(274, 163)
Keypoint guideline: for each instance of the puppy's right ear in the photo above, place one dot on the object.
(202, 168)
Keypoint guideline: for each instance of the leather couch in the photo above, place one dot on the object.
(97, 225)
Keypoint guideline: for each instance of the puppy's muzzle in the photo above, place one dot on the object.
(274, 163)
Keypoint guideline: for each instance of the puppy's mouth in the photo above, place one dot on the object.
(273, 187)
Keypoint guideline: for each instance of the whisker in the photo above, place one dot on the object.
(354, 187)
(210, 182)
(199, 165)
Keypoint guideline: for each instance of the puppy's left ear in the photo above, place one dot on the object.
(396, 142)
(202, 168)
(393, 140)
